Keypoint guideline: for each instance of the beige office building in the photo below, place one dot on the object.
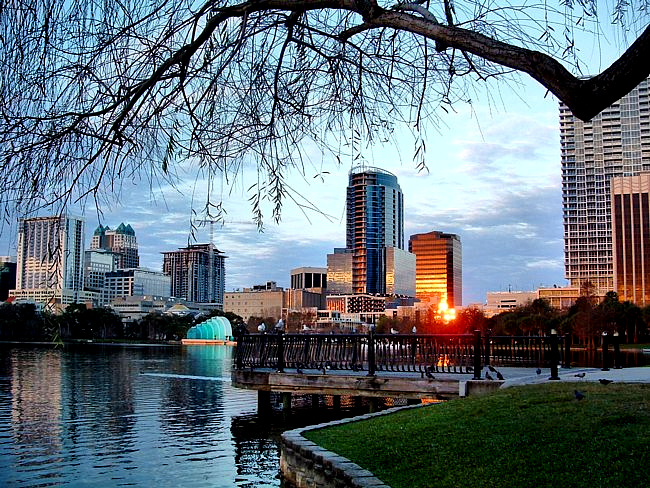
(259, 301)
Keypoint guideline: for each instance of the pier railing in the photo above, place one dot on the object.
(419, 353)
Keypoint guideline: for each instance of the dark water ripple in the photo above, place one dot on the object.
(127, 416)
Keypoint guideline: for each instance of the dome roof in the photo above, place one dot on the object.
(178, 309)
(215, 328)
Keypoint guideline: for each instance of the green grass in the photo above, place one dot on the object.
(529, 436)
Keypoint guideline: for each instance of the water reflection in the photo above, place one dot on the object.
(593, 358)
(143, 416)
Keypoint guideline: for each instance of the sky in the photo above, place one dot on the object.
(494, 179)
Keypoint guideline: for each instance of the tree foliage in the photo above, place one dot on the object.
(95, 92)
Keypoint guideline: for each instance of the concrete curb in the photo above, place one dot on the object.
(306, 464)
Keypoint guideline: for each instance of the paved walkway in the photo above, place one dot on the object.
(524, 376)
(512, 376)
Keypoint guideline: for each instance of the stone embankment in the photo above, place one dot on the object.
(305, 464)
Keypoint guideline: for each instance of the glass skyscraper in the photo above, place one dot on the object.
(375, 221)
(615, 143)
(438, 268)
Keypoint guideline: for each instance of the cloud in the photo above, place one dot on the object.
(513, 239)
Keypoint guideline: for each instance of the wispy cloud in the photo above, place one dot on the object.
(495, 182)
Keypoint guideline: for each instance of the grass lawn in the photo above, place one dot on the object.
(529, 436)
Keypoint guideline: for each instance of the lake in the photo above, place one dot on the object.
(138, 416)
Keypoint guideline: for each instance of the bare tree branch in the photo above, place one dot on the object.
(96, 92)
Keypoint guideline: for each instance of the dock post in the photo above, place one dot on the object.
(263, 402)
(286, 401)
(372, 405)
(358, 402)
(336, 402)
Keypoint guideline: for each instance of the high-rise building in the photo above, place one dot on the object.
(121, 241)
(50, 259)
(375, 222)
(198, 273)
(615, 143)
(631, 237)
(438, 267)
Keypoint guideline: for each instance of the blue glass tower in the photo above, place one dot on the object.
(375, 221)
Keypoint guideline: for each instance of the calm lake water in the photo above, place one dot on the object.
(137, 416)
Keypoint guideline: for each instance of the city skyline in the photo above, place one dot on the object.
(494, 179)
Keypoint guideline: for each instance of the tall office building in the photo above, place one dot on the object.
(438, 267)
(615, 143)
(50, 259)
(375, 221)
(121, 241)
(631, 237)
(198, 273)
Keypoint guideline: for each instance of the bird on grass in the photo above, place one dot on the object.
(578, 394)
(580, 375)
(603, 381)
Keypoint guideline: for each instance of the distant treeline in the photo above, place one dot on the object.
(23, 322)
(585, 321)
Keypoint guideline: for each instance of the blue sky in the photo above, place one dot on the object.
(494, 179)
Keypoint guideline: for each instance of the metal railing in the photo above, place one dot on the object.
(419, 353)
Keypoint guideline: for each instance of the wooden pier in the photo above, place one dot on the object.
(412, 367)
